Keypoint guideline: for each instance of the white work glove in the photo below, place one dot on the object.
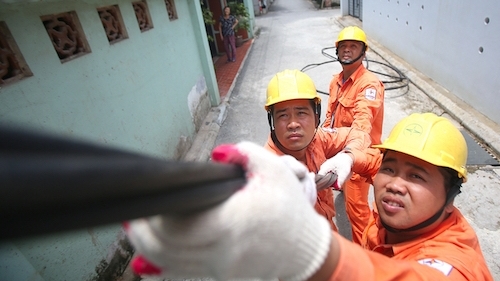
(266, 230)
(306, 178)
(340, 164)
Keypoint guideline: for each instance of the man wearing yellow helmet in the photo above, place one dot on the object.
(356, 100)
(294, 110)
(270, 230)
(415, 232)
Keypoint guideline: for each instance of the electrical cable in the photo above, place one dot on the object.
(400, 78)
(51, 184)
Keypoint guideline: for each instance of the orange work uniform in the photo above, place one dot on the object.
(357, 102)
(450, 252)
(326, 145)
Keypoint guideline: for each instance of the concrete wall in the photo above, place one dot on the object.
(147, 93)
(455, 43)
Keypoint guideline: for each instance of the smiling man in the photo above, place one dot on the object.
(294, 108)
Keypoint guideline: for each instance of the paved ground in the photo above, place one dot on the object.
(227, 72)
(294, 34)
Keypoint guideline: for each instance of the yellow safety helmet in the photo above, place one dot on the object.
(431, 138)
(290, 85)
(352, 33)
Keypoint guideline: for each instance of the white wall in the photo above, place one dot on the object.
(456, 43)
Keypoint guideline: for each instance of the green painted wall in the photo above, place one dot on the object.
(72, 256)
(132, 94)
(146, 94)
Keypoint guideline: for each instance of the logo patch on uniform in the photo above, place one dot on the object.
(370, 94)
(445, 268)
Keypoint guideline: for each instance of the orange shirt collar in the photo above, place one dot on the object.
(376, 239)
(355, 75)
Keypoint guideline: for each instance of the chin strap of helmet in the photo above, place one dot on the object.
(348, 62)
(454, 191)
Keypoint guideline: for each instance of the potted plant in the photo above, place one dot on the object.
(208, 19)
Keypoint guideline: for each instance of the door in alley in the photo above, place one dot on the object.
(356, 9)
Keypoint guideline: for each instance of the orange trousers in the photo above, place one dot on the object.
(356, 205)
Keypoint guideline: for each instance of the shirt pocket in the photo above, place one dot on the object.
(346, 112)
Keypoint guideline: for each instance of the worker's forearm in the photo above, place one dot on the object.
(326, 270)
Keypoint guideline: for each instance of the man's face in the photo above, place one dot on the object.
(408, 190)
(349, 50)
(294, 123)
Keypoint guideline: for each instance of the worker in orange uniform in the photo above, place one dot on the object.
(356, 100)
(294, 108)
(269, 229)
